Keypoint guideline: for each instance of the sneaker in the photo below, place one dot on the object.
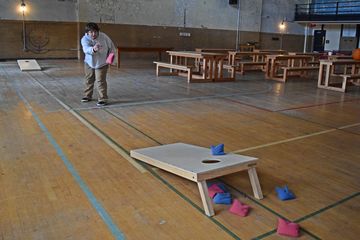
(85, 99)
(101, 103)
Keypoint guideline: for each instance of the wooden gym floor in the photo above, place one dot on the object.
(65, 170)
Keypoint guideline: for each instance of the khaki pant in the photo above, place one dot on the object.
(99, 75)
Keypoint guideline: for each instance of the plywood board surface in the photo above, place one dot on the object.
(28, 65)
(187, 160)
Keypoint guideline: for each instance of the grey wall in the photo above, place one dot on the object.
(256, 15)
(274, 11)
(54, 27)
(40, 10)
(211, 14)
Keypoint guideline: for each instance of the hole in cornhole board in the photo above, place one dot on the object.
(210, 161)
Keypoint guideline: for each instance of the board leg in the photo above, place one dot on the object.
(255, 183)
(209, 210)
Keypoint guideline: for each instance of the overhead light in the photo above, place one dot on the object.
(282, 25)
(23, 6)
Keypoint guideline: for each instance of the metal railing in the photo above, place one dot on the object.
(329, 11)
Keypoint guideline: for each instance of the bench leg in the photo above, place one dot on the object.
(209, 210)
(285, 75)
(255, 183)
(343, 86)
(242, 69)
(157, 70)
(232, 72)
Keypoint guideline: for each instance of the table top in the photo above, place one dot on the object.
(194, 54)
(221, 50)
(192, 162)
(122, 48)
(249, 53)
(285, 57)
(270, 50)
(307, 53)
(339, 61)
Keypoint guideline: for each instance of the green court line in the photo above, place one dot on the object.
(309, 233)
(175, 190)
(265, 235)
(194, 205)
(268, 209)
(328, 207)
(228, 231)
(95, 203)
(255, 201)
(85, 121)
(133, 127)
(274, 231)
(148, 168)
(313, 214)
(234, 188)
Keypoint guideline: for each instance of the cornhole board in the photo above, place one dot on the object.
(198, 164)
(28, 65)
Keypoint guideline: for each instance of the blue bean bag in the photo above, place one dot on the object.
(222, 198)
(218, 149)
(284, 193)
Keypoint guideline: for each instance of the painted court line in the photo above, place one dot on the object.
(296, 138)
(328, 207)
(126, 155)
(95, 130)
(131, 126)
(153, 171)
(116, 232)
(317, 105)
(311, 215)
(278, 142)
(209, 97)
(349, 126)
(284, 141)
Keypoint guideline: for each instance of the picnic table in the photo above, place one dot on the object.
(201, 66)
(278, 67)
(328, 77)
(238, 60)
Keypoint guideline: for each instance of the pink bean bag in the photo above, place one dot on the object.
(214, 189)
(110, 58)
(288, 228)
(239, 208)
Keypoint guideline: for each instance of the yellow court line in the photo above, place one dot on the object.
(295, 138)
(348, 126)
(284, 141)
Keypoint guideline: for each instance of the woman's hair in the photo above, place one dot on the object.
(91, 27)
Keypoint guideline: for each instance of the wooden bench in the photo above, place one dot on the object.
(345, 78)
(231, 69)
(242, 66)
(141, 49)
(297, 69)
(312, 63)
(187, 69)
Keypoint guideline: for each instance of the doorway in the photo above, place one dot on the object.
(319, 40)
